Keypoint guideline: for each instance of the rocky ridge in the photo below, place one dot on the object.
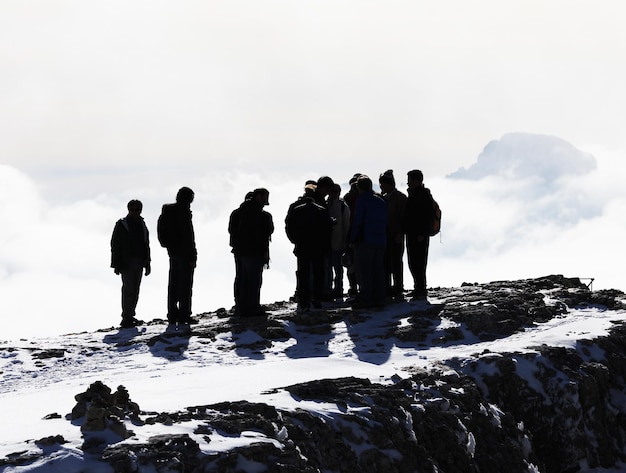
(550, 409)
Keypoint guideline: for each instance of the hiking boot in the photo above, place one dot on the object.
(131, 323)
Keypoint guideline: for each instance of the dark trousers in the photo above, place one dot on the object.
(310, 276)
(248, 286)
(131, 281)
(417, 255)
(236, 284)
(394, 269)
(370, 261)
(335, 273)
(179, 288)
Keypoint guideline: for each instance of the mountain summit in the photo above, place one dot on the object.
(523, 155)
(520, 376)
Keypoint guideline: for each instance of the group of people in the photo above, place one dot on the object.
(130, 257)
(364, 232)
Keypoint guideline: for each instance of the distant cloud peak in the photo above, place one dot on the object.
(522, 155)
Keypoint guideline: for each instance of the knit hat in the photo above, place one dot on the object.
(387, 178)
(355, 178)
(325, 181)
(416, 174)
(264, 192)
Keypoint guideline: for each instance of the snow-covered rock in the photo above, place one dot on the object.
(515, 376)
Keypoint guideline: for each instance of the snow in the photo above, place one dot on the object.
(174, 373)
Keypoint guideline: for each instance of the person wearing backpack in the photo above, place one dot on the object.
(418, 223)
(130, 255)
(175, 232)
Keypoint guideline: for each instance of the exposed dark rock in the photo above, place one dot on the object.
(547, 409)
(50, 441)
(572, 405)
(49, 353)
(101, 414)
(171, 453)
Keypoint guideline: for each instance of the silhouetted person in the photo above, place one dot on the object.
(233, 227)
(130, 254)
(310, 187)
(308, 227)
(396, 206)
(251, 232)
(418, 218)
(350, 199)
(175, 231)
(340, 214)
(368, 237)
(324, 187)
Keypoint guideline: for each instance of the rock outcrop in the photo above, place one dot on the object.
(546, 409)
(550, 410)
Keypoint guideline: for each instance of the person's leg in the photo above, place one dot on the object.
(424, 262)
(337, 268)
(352, 278)
(366, 275)
(388, 266)
(172, 290)
(131, 281)
(318, 266)
(417, 254)
(253, 281)
(397, 253)
(356, 268)
(185, 290)
(379, 280)
(237, 284)
(304, 281)
(244, 286)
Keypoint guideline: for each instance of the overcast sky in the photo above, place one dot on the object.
(101, 102)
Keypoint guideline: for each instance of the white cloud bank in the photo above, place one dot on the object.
(533, 205)
(54, 257)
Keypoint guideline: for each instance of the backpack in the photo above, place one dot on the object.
(435, 226)
(166, 226)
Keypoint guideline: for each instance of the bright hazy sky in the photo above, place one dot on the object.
(101, 102)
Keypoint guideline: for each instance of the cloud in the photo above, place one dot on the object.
(508, 221)
(544, 173)
(54, 253)
(250, 85)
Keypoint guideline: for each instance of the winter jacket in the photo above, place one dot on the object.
(308, 227)
(369, 224)
(340, 213)
(396, 207)
(181, 235)
(125, 246)
(251, 230)
(419, 213)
